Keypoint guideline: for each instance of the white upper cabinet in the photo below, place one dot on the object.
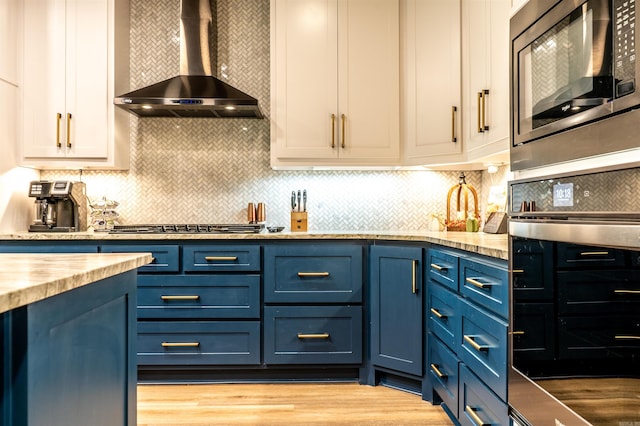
(68, 117)
(9, 41)
(335, 83)
(431, 95)
(485, 52)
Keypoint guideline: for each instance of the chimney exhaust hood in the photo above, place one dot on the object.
(195, 92)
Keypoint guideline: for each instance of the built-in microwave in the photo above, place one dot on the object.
(573, 80)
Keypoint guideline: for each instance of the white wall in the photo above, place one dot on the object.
(15, 207)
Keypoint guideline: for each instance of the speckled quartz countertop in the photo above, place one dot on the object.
(28, 278)
(494, 245)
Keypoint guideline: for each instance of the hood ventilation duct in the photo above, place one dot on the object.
(195, 92)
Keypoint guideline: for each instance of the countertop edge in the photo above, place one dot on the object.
(58, 273)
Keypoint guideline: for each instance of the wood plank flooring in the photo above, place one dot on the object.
(279, 404)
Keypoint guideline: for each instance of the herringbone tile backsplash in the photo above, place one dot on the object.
(206, 171)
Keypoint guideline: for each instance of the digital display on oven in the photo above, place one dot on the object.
(563, 195)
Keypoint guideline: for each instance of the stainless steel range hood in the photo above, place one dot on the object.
(195, 92)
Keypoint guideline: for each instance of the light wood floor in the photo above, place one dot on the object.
(279, 404)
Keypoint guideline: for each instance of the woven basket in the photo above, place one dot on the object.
(462, 191)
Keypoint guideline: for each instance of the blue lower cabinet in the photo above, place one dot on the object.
(443, 373)
(193, 343)
(198, 296)
(478, 405)
(58, 247)
(483, 346)
(312, 335)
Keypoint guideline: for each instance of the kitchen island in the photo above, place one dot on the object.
(68, 338)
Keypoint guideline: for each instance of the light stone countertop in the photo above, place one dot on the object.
(28, 278)
(493, 245)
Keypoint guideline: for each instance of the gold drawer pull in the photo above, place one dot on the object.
(313, 274)
(477, 283)
(626, 291)
(223, 258)
(518, 271)
(518, 333)
(438, 267)
(627, 337)
(594, 253)
(185, 297)
(474, 416)
(437, 313)
(313, 336)
(475, 345)
(439, 373)
(180, 344)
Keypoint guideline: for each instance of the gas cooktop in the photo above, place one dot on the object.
(188, 229)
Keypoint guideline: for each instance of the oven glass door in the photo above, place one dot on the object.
(576, 330)
(571, 64)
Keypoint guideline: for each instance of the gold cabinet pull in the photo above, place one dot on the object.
(594, 253)
(480, 128)
(313, 274)
(333, 130)
(223, 258)
(414, 280)
(474, 416)
(313, 336)
(477, 283)
(437, 313)
(58, 119)
(453, 124)
(438, 267)
(518, 333)
(439, 373)
(180, 297)
(517, 271)
(68, 130)
(485, 93)
(344, 141)
(627, 337)
(180, 344)
(626, 291)
(475, 345)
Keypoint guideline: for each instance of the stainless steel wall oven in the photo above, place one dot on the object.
(573, 80)
(575, 299)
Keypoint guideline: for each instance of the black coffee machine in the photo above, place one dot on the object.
(60, 206)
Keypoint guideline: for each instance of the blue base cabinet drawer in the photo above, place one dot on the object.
(313, 335)
(442, 267)
(443, 372)
(199, 343)
(444, 314)
(477, 404)
(165, 257)
(222, 258)
(485, 283)
(313, 274)
(483, 346)
(198, 296)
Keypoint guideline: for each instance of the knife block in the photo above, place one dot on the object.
(298, 221)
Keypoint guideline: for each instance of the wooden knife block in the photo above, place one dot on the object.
(298, 221)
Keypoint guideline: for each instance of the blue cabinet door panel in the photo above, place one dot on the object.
(396, 308)
(165, 257)
(477, 404)
(221, 258)
(444, 314)
(486, 283)
(199, 343)
(313, 335)
(313, 274)
(483, 346)
(198, 296)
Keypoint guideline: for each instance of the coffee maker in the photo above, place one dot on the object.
(60, 206)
